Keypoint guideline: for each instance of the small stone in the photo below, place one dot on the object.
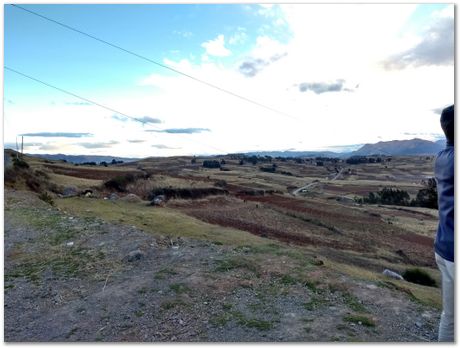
(69, 244)
(113, 197)
(360, 323)
(418, 324)
(135, 255)
(392, 274)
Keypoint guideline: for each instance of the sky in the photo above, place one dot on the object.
(288, 77)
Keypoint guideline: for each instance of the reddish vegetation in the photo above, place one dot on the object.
(361, 232)
(316, 209)
(90, 173)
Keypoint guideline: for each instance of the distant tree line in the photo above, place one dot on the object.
(365, 159)
(426, 197)
(211, 164)
(102, 163)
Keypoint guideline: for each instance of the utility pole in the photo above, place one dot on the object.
(22, 146)
(17, 148)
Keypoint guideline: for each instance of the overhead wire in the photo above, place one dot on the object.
(68, 27)
(100, 105)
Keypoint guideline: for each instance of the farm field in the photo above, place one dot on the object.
(279, 250)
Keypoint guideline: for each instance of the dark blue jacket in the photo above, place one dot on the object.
(444, 173)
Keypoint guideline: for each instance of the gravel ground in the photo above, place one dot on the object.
(69, 278)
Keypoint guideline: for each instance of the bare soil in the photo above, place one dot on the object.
(70, 278)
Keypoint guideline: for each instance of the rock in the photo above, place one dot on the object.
(135, 255)
(70, 191)
(418, 324)
(426, 315)
(131, 198)
(69, 244)
(392, 274)
(318, 262)
(158, 200)
(87, 193)
(113, 197)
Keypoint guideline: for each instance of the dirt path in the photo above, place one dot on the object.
(315, 183)
(69, 278)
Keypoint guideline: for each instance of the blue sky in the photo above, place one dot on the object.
(70, 59)
(325, 65)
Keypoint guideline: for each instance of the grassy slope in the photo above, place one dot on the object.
(169, 222)
(160, 221)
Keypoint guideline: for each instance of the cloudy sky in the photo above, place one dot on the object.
(288, 76)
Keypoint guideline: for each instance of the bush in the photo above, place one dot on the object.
(185, 193)
(10, 175)
(211, 164)
(33, 183)
(271, 169)
(428, 196)
(393, 196)
(357, 160)
(386, 196)
(419, 276)
(119, 183)
(46, 197)
(20, 163)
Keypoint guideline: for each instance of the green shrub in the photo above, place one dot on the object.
(419, 276)
(364, 320)
(46, 197)
(20, 163)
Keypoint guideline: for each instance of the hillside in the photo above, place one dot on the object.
(400, 148)
(232, 255)
(83, 158)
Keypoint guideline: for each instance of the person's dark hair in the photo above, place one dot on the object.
(447, 124)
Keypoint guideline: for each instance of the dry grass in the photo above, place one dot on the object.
(79, 183)
(159, 221)
(423, 294)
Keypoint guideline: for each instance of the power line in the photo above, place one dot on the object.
(156, 63)
(98, 104)
(72, 94)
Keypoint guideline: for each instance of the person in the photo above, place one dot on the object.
(444, 243)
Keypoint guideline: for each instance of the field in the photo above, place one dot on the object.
(279, 250)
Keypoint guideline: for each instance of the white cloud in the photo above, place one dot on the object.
(239, 37)
(266, 10)
(329, 43)
(216, 47)
(186, 34)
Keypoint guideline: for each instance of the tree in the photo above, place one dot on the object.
(428, 196)
(211, 164)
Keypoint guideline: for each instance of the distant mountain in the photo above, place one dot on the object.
(442, 142)
(411, 147)
(83, 158)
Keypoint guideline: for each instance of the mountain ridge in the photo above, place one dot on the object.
(410, 147)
